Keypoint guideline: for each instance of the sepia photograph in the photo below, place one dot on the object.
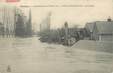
(49, 36)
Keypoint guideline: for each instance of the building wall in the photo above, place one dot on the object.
(45, 24)
(105, 37)
(7, 19)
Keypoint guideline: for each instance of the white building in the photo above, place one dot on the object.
(7, 18)
(45, 25)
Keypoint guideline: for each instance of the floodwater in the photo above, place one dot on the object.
(29, 55)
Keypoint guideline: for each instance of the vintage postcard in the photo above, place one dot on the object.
(56, 36)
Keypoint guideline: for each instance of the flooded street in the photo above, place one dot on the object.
(29, 55)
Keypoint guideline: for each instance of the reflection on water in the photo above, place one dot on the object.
(31, 56)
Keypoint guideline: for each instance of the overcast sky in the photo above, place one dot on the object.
(76, 15)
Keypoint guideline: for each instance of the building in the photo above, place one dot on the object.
(10, 17)
(45, 25)
(89, 30)
(13, 22)
(102, 30)
(7, 19)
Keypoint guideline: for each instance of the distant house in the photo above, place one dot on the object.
(101, 30)
(89, 29)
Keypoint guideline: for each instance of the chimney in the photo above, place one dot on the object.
(109, 19)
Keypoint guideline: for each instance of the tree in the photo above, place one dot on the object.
(20, 28)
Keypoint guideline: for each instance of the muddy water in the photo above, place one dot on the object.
(29, 55)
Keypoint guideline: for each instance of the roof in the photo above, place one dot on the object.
(90, 26)
(104, 27)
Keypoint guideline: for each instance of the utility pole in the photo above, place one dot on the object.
(66, 33)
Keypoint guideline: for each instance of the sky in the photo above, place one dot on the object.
(77, 12)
